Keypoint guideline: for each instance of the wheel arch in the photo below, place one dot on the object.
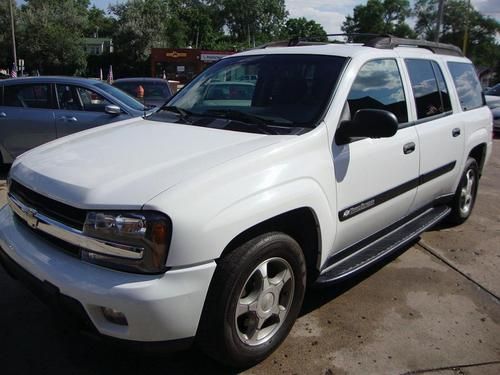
(301, 224)
(479, 154)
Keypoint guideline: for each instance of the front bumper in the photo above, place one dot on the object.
(157, 307)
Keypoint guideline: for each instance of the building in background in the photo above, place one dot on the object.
(98, 46)
(182, 64)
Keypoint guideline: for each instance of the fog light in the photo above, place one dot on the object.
(114, 316)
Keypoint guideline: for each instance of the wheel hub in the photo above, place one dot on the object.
(264, 301)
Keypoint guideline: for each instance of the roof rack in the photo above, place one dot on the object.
(381, 41)
(390, 42)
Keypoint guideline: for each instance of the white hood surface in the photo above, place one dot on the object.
(125, 165)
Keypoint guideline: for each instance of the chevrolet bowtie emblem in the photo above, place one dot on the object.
(30, 216)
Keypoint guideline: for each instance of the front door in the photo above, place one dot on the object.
(81, 108)
(376, 178)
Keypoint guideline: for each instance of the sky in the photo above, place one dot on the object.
(331, 13)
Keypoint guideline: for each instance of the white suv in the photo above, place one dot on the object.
(208, 219)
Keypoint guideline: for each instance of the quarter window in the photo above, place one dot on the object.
(428, 96)
(468, 86)
(27, 96)
(378, 86)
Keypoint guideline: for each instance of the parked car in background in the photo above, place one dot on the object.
(36, 110)
(493, 91)
(153, 92)
(496, 120)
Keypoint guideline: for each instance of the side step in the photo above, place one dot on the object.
(383, 246)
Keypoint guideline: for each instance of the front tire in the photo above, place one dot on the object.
(465, 195)
(254, 298)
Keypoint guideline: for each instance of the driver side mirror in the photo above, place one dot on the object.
(112, 109)
(367, 123)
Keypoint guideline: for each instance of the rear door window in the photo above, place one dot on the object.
(428, 95)
(27, 96)
(467, 85)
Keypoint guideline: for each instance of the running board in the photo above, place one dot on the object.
(383, 246)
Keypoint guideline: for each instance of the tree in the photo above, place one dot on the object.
(253, 21)
(6, 57)
(50, 34)
(482, 46)
(99, 25)
(380, 17)
(140, 26)
(303, 28)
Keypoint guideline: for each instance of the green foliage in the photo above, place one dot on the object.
(49, 34)
(303, 28)
(6, 57)
(482, 47)
(380, 17)
(99, 25)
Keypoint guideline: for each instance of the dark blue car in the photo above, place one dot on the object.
(36, 110)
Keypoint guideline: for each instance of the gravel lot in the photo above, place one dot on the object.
(433, 308)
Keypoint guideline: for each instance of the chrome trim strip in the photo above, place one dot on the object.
(73, 236)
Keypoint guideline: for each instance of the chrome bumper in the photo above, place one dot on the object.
(44, 224)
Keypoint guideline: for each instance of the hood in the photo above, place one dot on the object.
(125, 165)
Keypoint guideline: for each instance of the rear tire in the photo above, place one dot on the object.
(465, 196)
(254, 299)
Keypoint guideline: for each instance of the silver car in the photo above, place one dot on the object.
(36, 110)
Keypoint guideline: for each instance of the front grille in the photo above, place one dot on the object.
(71, 216)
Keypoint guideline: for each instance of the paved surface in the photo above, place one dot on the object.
(434, 309)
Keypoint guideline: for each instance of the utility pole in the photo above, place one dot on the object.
(466, 32)
(439, 20)
(13, 32)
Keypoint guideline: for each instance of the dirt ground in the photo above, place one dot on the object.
(434, 308)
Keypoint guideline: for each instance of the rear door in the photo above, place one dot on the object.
(81, 108)
(440, 134)
(26, 117)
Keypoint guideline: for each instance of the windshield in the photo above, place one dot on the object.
(152, 90)
(121, 96)
(287, 90)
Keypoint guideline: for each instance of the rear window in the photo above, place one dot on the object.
(27, 96)
(467, 85)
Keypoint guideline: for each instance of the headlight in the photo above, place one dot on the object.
(142, 238)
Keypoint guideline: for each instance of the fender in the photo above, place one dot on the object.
(195, 241)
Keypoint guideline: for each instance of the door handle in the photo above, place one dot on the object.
(409, 148)
(455, 132)
(68, 119)
(3, 114)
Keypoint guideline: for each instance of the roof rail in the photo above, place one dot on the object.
(381, 41)
(289, 43)
(390, 42)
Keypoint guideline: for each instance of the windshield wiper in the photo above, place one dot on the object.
(243, 117)
(183, 114)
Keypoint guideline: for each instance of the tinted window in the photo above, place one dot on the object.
(80, 99)
(378, 86)
(443, 89)
(68, 99)
(290, 90)
(152, 90)
(121, 96)
(425, 88)
(27, 96)
(495, 90)
(468, 87)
